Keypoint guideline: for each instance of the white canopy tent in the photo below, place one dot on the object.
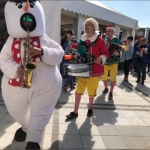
(98, 10)
(83, 9)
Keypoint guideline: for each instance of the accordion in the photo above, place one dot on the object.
(112, 47)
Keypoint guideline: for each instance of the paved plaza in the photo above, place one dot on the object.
(123, 123)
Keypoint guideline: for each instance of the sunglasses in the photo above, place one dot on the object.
(29, 19)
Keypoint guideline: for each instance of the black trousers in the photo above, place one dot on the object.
(126, 66)
(141, 68)
(148, 69)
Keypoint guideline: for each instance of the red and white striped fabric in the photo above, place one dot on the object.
(91, 99)
(77, 102)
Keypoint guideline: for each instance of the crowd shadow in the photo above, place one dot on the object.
(12, 146)
(64, 97)
(130, 87)
(120, 73)
(143, 88)
(75, 137)
(8, 135)
(104, 111)
(79, 136)
(126, 85)
(6, 121)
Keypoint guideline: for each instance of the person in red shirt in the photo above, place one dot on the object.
(93, 44)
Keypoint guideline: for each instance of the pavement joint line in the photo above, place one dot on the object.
(105, 108)
(96, 104)
(55, 129)
(128, 107)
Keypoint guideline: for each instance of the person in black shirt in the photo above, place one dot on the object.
(142, 58)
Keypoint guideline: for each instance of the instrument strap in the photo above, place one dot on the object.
(88, 46)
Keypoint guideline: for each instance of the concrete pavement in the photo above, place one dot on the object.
(123, 123)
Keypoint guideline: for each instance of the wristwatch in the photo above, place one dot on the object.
(42, 51)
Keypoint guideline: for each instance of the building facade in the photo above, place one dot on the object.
(72, 14)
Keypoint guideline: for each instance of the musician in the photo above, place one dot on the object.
(33, 107)
(90, 42)
(111, 65)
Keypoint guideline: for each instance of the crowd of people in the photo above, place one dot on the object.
(31, 84)
(107, 62)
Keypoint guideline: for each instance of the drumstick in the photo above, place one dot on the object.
(90, 63)
(86, 63)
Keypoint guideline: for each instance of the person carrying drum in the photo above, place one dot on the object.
(111, 65)
(92, 43)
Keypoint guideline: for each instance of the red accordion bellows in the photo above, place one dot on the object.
(112, 47)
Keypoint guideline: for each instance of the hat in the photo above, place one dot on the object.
(70, 32)
(93, 21)
(109, 26)
(74, 46)
(22, 0)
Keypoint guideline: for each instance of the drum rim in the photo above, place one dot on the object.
(88, 68)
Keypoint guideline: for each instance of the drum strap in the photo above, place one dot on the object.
(88, 56)
(88, 46)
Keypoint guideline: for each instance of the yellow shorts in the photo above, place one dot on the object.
(90, 83)
(113, 69)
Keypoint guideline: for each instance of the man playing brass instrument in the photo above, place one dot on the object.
(111, 65)
(33, 106)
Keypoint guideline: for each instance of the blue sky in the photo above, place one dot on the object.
(139, 10)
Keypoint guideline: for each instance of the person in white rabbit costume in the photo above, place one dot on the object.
(33, 106)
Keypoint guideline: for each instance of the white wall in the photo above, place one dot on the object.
(128, 33)
(147, 33)
(133, 34)
(80, 28)
(117, 30)
(52, 10)
(124, 35)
